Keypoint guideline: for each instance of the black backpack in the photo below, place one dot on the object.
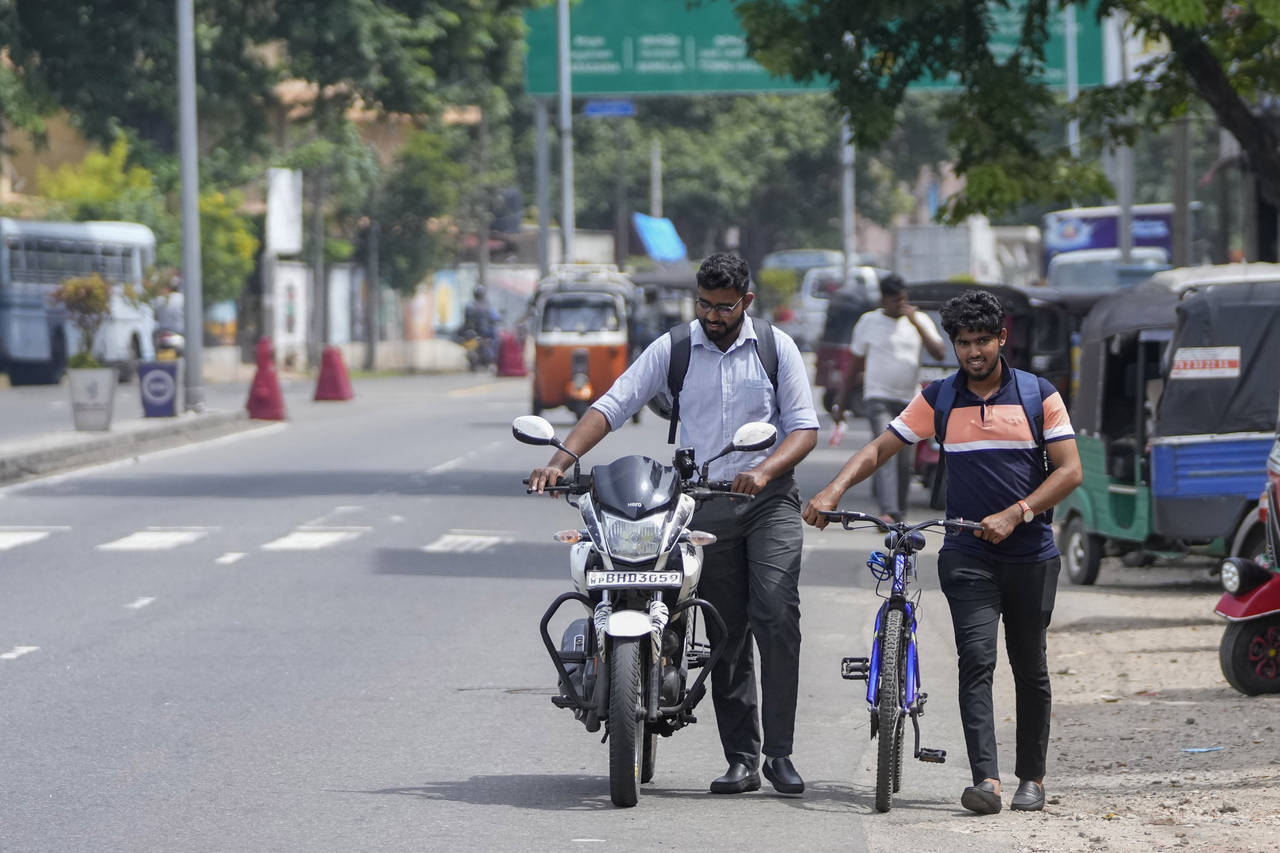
(667, 403)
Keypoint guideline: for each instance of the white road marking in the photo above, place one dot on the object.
(14, 538)
(452, 543)
(445, 466)
(229, 558)
(139, 603)
(322, 520)
(313, 540)
(156, 539)
(18, 651)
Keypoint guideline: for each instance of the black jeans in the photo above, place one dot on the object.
(751, 574)
(980, 593)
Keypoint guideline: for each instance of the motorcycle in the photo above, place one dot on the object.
(635, 569)
(478, 349)
(168, 344)
(1249, 653)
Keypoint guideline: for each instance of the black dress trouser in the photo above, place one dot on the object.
(751, 574)
(980, 594)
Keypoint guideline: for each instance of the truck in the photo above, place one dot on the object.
(933, 252)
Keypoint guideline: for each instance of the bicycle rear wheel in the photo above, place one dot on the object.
(889, 711)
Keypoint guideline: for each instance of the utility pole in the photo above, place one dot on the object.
(567, 224)
(192, 286)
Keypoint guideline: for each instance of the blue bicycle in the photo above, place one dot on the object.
(892, 672)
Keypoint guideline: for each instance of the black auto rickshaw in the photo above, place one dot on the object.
(664, 300)
(1175, 414)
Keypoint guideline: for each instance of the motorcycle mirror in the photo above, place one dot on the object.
(756, 435)
(533, 429)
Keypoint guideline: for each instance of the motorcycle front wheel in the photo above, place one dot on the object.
(889, 728)
(649, 760)
(626, 726)
(1250, 655)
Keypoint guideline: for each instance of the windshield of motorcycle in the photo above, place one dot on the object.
(634, 486)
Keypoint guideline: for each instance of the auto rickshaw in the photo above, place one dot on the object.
(580, 323)
(665, 300)
(1175, 414)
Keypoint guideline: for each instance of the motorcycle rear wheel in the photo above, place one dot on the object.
(626, 728)
(889, 710)
(1250, 655)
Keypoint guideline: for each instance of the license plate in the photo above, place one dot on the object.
(634, 579)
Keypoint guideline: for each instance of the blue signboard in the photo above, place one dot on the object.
(609, 108)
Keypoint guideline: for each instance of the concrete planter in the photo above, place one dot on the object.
(93, 391)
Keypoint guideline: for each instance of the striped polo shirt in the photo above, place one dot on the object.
(992, 460)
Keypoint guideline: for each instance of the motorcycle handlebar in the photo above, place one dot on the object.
(564, 487)
(716, 489)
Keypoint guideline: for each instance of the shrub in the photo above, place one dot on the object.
(87, 299)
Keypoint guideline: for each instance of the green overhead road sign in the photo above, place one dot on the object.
(663, 47)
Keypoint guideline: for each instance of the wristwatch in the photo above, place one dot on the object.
(1027, 514)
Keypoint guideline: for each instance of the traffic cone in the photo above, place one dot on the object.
(333, 383)
(265, 400)
(510, 355)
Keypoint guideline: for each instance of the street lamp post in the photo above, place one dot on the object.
(192, 288)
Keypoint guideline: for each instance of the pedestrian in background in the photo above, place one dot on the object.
(996, 472)
(751, 574)
(886, 345)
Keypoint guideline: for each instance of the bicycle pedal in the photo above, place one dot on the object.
(855, 669)
(933, 756)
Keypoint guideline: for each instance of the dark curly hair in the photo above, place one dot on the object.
(724, 269)
(974, 309)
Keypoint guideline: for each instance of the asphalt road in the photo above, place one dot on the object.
(322, 635)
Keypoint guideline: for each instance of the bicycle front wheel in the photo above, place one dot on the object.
(889, 729)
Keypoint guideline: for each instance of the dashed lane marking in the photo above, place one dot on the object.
(138, 604)
(229, 558)
(313, 540)
(14, 538)
(18, 651)
(156, 539)
(465, 542)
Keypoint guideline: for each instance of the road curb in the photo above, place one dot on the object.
(66, 450)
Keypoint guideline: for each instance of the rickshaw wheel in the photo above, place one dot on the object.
(1250, 655)
(1081, 552)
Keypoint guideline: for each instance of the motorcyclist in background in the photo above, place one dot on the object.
(481, 319)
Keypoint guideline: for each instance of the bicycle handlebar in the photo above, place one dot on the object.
(950, 525)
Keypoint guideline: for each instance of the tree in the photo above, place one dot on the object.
(227, 248)
(1219, 51)
(413, 207)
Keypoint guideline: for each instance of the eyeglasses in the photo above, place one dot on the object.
(722, 309)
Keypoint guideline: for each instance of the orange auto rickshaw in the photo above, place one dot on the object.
(581, 314)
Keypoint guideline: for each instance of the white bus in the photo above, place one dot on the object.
(35, 257)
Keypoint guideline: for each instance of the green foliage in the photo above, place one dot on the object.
(227, 248)
(106, 186)
(776, 286)
(87, 300)
(1221, 53)
(413, 207)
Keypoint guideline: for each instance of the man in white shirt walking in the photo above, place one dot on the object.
(886, 361)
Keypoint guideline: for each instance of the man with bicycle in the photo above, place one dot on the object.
(995, 466)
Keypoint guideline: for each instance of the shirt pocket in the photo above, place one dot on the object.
(756, 399)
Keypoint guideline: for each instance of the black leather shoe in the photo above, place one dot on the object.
(981, 798)
(782, 773)
(738, 779)
(1028, 798)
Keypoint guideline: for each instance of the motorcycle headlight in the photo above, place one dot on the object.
(1240, 575)
(633, 540)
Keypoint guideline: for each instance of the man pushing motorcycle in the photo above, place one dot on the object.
(751, 574)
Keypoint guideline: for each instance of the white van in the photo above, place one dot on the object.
(1101, 270)
(816, 289)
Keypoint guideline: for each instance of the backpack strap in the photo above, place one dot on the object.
(1033, 407)
(676, 369)
(942, 406)
(767, 349)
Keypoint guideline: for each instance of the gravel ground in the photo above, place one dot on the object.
(1151, 749)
